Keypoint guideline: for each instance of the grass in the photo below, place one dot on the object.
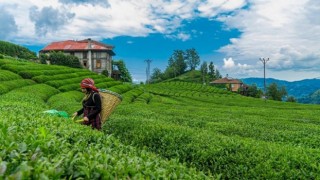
(171, 130)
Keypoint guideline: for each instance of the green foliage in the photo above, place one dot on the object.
(7, 86)
(291, 99)
(192, 58)
(59, 58)
(28, 74)
(45, 78)
(67, 101)
(108, 83)
(176, 64)
(204, 72)
(14, 50)
(176, 69)
(251, 91)
(156, 76)
(8, 75)
(190, 76)
(36, 146)
(212, 73)
(122, 88)
(313, 98)
(58, 83)
(130, 96)
(105, 72)
(44, 58)
(169, 130)
(275, 93)
(125, 74)
(222, 133)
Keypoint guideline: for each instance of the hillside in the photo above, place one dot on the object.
(13, 50)
(190, 76)
(170, 130)
(301, 90)
(313, 98)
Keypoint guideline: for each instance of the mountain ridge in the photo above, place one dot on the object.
(301, 89)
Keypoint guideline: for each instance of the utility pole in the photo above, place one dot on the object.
(264, 61)
(148, 70)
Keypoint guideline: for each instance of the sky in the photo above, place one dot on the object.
(233, 34)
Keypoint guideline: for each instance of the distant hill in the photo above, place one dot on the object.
(301, 90)
(313, 98)
(13, 50)
(190, 76)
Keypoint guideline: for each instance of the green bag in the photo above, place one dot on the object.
(57, 113)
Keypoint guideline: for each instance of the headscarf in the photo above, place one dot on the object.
(88, 83)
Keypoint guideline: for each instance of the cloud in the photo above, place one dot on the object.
(8, 26)
(92, 2)
(286, 31)
(49, 19)
(181, 35)
(43, 21)
(211, 8)
(230, 67)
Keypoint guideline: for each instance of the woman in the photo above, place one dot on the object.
(91, 104)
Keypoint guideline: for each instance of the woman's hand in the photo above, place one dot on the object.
(75, 114)
(85, 119)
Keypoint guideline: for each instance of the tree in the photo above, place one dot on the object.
(59, 58)
(218, 75)
(105, 73)
(291, 99)
(125, 74)
(176, 65)
(212, 73)
(44, 58)
(192, 58)
(253, 91)
(169, 73)
(179, 59)
(275, 93)
(204, 71)
(172, 68)
(156, 75)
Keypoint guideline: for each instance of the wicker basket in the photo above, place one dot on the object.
(109, 100)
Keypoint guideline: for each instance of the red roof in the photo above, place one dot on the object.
(226, 81)
(71, 45)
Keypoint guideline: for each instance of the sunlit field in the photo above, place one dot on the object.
(173, 130)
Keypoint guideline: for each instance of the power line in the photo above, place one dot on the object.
(264, 61)
(148, 70)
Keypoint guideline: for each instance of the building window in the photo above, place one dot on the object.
(72, 53)
(85, 55)
(98, 64)
(85, 63)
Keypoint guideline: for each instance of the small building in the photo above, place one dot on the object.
(230, 83)
(93, 55)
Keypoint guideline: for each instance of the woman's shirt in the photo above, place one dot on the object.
(93, 102)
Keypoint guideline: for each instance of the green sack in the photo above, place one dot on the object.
(57, 113)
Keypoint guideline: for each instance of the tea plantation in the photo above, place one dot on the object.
(173, 130)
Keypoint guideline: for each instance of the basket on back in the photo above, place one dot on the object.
(109, 100)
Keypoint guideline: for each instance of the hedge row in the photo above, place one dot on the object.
(6, 86)
(45, 78)
(8, 75)
(59, 83)
(37, 146)
(120, 89)
(28, 74)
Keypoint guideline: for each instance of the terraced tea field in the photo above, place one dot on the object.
(173, 130)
